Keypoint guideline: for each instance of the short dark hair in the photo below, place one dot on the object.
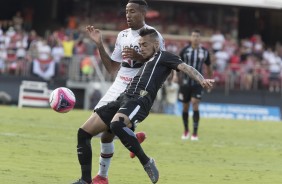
(140, 2)
(196, 31)
(147, 31)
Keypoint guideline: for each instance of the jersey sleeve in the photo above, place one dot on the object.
(117, 53)
(207, 60)
(171, 60)
(181, 53)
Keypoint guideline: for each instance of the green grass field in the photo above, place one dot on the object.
(39, 146)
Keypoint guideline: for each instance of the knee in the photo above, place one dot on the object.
(83, 136)
(116, 126)
(185, 107)
(107, 137)
(195, 106)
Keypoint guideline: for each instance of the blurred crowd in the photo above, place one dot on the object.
(245, 64)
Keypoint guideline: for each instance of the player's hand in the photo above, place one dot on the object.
(94, 34)
(207, 83)
(131, 53)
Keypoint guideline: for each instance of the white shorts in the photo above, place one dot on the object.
(114, 91)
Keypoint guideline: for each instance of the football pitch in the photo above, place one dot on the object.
(39, 146)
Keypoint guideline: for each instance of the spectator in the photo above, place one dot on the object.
(80, 48)
(68, 44)
(217, 40)
(57, 52)
(248, 72)
(18, 21)
(3, 58)
(257, 45)
(21, 56)
(171, 91)
(234, 67)
(86, 67)
(44, 65)
(274, 67)
(221, 60)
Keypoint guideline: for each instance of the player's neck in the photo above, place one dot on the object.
(195, 46)
(139, 26)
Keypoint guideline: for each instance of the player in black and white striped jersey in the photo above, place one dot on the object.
(134, 104)
(190, 91)
(126, 61)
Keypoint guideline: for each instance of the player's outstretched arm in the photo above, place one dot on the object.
(96, 36)
(194, 74)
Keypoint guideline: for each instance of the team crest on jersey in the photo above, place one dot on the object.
(143, 93)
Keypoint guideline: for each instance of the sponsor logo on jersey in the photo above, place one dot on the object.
(128, 79)
(143, 93)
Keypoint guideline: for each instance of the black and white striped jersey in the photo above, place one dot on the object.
(195, 58)
(152, 75)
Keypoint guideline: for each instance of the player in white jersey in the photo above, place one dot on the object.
(126, 40)
(126, 60)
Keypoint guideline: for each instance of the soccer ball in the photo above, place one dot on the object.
(62, 100)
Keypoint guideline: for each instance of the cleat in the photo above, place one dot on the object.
(185, 135)
(194, 138)
(100, 180)
(80, 181)
(152, 170)
(141, 136)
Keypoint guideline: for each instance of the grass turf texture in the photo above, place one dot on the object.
(39, 146)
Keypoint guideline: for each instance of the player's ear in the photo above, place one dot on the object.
(156, 46)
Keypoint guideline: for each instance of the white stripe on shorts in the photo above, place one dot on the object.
(134, 112)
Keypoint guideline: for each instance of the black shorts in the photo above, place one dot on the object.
(137, 109)
(274, 76)
(186, 92)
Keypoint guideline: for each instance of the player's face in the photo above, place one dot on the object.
(195, 38)
(134, 16)
(147, 46)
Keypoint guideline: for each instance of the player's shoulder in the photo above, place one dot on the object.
(203, 48)
(169, 55)
(124, 32)
(149, 27)
(186, 48)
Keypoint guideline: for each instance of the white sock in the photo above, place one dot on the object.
(107, 151)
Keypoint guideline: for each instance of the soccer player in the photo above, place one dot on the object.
(127, 61)
(190, 90)
(134, 104)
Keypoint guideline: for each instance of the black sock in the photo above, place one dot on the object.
(84, 153)
(129, 140)
(185, 116)
(196, 118)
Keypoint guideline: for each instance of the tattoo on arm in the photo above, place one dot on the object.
(192, 72)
